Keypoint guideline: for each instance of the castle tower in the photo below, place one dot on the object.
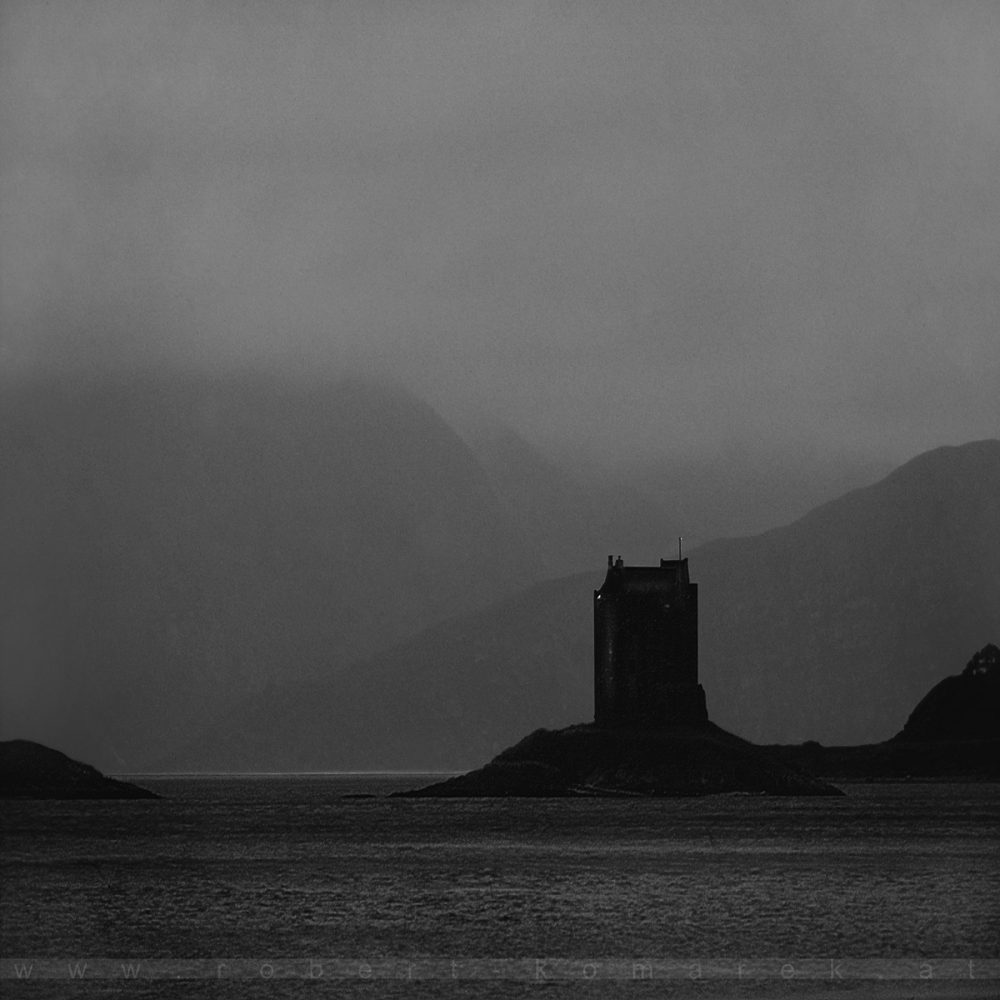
(646, 647)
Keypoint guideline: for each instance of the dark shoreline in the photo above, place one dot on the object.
(897, 760)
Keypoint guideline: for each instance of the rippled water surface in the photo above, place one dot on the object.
(267, 870)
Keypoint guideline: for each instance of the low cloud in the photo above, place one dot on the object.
(642, 229)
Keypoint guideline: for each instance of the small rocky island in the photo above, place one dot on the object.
(651, 735)
(31, 771)
(586, 760)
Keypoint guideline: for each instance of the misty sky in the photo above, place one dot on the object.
(644, 227)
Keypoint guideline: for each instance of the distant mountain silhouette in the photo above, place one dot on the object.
(733, 494)
(177, 551)
(573, 508)
(171, 544)
(568, 512)
(450, 698)
(831, 628)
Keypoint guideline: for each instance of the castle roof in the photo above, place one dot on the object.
(624, 579)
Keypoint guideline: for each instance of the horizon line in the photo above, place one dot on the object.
(266, 774)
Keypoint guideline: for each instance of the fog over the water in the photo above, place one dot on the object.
(620, 227)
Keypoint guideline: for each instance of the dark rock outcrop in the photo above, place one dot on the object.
(32, 771)
(964, 707)
(585, 760)
(953, 733)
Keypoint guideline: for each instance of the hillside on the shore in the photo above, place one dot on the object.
(953, 733)
(965, 706)
(31, 771)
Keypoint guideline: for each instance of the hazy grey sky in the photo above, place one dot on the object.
(650, 226)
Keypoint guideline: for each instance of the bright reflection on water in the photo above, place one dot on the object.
(286, 866)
